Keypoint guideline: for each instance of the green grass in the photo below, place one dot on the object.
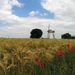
(17, 56)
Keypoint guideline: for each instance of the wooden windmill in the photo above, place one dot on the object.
(50, 32)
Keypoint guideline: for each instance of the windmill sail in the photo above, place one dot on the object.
(48, 27)
(48, 31)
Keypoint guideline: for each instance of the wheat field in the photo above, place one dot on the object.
(20, 56)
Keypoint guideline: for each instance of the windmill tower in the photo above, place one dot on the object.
(50, 32)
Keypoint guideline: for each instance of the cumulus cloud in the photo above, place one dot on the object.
(33, 13)
(16, 3)
(64, 12)
(21, 26)
(8, 4)
(62, 9)
(45, 14)
(6, 9)
(24, 27)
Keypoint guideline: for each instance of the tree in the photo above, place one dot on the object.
(36, 33)
(66, 36)
(73, 37)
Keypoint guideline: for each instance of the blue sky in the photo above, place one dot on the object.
(31, 5)
(19, 17)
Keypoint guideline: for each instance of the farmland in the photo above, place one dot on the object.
(37, 56)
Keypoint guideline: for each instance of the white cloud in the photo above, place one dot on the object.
(15, 2)
(62, 9)
(21, 26)
(7, 5)
(33, 13)
(45, 14)
(6, 9)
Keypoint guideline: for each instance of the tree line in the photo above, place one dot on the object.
(37, 33)
(67, 36)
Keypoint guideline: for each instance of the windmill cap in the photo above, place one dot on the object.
(51, 31)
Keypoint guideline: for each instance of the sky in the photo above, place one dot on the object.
(19, 17)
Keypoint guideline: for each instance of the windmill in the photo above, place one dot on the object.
(50, 31)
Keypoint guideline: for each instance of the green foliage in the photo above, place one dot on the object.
(66, 36)
(36, 33)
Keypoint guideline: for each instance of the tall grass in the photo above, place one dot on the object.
(37, 56)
